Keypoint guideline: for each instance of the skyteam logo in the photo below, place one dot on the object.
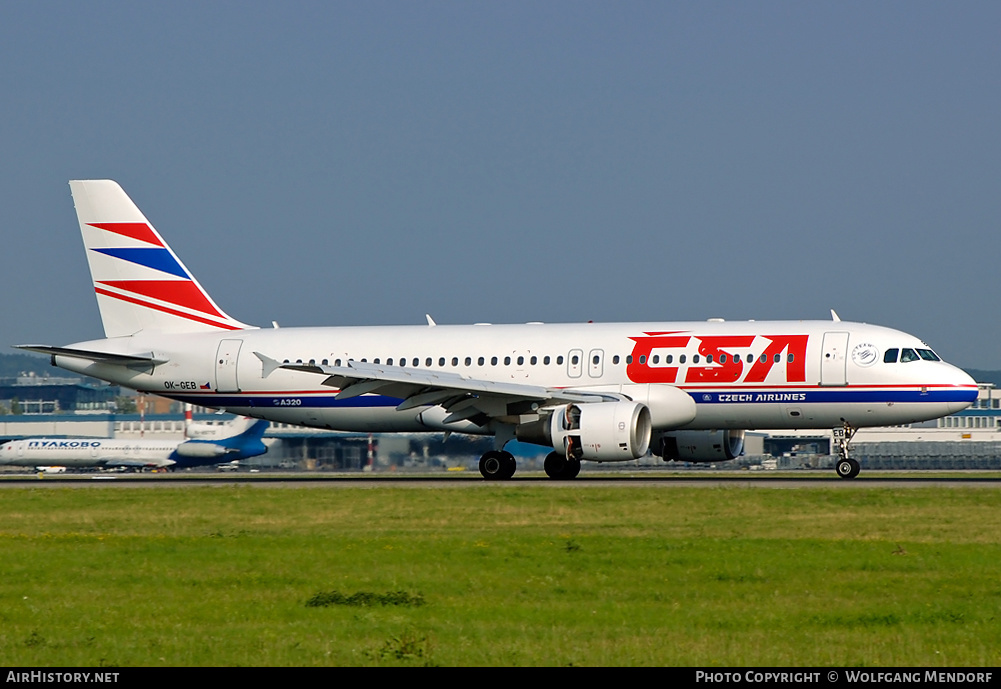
(865, 354)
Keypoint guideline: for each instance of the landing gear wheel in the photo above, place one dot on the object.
(555, 465)
(497, 465)
(847, 468)
(559, 467)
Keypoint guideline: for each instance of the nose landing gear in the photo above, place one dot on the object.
(846, 467)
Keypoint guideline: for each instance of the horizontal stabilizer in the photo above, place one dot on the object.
(131, 360)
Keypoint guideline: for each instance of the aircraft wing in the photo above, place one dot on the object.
(463, 397)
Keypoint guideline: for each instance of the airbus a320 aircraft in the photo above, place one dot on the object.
(599, 392)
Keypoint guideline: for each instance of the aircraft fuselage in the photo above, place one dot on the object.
(780, 374)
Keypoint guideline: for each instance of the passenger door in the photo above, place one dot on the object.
(833, 359)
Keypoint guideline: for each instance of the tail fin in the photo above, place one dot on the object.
(248, 443)
(255, 429)
(140, 283)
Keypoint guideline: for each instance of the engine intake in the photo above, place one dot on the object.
(600, 431)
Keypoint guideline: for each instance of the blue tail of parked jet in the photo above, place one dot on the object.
(247, 444)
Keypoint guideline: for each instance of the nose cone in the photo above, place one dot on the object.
(966, 390)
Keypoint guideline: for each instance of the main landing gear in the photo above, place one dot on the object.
(500, 465)
(559, 467)
(497, 465)
(845, 466)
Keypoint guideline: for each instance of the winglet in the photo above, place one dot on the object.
(431, 322)
(835, 317)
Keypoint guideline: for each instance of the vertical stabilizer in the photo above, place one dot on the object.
(141, 284)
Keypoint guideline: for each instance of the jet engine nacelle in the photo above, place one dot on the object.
(200, 450)
(700, 446)
(601, 431)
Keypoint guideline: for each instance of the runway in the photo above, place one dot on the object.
(872, 479)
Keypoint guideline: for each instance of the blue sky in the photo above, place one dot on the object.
(361, 163)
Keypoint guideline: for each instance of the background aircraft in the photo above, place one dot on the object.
(244, 442)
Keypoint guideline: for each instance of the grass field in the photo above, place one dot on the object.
(500, 575)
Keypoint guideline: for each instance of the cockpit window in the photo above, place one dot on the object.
(928, 355)
(908, 355)
(890, 357)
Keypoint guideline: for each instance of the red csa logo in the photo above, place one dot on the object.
(725, 366)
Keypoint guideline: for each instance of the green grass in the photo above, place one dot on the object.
(500, 575)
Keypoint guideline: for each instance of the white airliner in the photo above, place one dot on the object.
(600, 392)
(244, 442)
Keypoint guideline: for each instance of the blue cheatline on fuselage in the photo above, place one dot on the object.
(843, 395)
(324, 399)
